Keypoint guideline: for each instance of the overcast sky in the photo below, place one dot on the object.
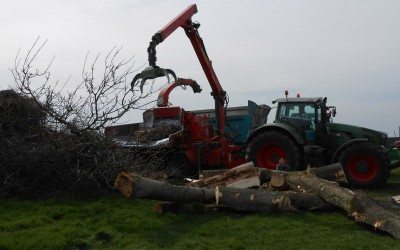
(346, 50)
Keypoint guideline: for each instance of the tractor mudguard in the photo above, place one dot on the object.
(279, 127)
(345, 145)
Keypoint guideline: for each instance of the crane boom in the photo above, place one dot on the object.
(184, 21)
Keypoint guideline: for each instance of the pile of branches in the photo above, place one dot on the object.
(247, 188)
(38, 160)
(51, 133)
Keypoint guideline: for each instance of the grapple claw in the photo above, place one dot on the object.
(150, 73)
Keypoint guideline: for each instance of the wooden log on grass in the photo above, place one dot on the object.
(254, 200)
(308, 201)
(312, 192)
(395, 200)
(134, 186)
(248, 200)
(278, 181)
(245, 176)
(368, 211)
(333, 172)
(357, 204)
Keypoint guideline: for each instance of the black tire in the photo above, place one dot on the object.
(266, 149)
(365, 165)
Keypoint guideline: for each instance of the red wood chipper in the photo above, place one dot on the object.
(197, 144)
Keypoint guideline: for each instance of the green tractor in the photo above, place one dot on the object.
(303, 134)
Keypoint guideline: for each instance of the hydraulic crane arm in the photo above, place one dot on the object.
(181, 20)
(184, 21)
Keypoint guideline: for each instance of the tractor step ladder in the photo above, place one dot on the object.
(313, 156)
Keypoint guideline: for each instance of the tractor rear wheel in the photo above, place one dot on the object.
(365, 165)
(266, 149)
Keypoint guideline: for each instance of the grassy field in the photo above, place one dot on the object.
(115, 222)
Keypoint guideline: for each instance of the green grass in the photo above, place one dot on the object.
(115, 222)
(391, 188)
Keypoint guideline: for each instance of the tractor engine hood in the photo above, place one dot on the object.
(374, 136)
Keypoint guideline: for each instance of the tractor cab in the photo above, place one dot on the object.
(305, 115)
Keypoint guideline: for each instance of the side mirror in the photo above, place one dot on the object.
(331, 110)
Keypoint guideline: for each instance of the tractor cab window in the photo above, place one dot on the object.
(302, 116)
(289, 110)
(302, 111)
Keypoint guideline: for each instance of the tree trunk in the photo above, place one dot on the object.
(244, 175)
(356, 204)
(254, 200)
(333, 172)
(311, 192)
(368, 211)
(133, 186)
(328, 190)
(308, 201)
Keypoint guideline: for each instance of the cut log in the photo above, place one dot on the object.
(245, 173)
(311, 192)
(278, 181)
(333, 172)
(328, 190)
(368, 211)
(308, 201)
(134, 186)
(357, 204)
(395, 200)
(253, 200)
(243, 176)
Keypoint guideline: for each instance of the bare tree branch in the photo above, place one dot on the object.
(99, 100)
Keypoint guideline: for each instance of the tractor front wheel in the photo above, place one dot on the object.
(365, 165)
(266, 149)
